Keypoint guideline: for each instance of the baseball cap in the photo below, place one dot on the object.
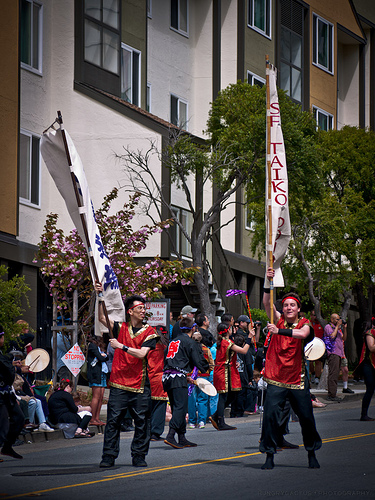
(243, 317)
(188, 309)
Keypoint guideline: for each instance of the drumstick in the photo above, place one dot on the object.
(36, 359)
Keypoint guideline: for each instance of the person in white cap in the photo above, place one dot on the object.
(186, 312)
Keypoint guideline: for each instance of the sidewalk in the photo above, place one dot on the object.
(359, 389)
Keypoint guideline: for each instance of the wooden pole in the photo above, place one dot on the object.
(269, 187)
(83, 219)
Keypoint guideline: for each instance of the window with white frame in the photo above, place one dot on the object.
(291, 50)
(148, 97)
(322, 43)
(149, 8)
(130, 74)
(31, 14)
(323, 119)
(179, 240)
(102, 33)
(29, 171)
(259, 16)
(179, 110)
(255, 80)
(180, 16)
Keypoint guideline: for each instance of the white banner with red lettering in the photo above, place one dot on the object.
(74, 359)
(281, 230)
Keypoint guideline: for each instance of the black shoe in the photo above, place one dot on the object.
(8, 451)
(288, 446)
(139, 461)
(367, 419)
(107, 462)
(334, 398)
(185, 443)
(155, 437)
(347, 391)
(172, 442)
(222, 426)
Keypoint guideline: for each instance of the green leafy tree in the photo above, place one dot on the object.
(232, 158)
(13, 294)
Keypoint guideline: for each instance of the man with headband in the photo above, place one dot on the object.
(285, 374)
(129, 383)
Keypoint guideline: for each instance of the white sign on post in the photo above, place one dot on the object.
(74, 359)
(159, 310)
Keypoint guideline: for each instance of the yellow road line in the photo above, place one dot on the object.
(171, 467)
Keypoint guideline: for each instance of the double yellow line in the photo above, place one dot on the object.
(155, 470)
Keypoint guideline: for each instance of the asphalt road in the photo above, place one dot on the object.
(224, 465)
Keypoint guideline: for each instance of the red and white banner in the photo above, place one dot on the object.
(69, 179)
(278, 195)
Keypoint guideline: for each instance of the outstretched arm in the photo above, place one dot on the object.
(101, 315)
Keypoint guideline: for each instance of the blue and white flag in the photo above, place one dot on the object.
(67, 171)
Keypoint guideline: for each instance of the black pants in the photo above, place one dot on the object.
(225, 399)
(11, 420)
(300, 401)
(158, 410)
(178, 398)
(369, 377)
(138, 405)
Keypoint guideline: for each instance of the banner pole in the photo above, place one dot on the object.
(82, 216)
(269, 187)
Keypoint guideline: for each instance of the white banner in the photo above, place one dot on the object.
(56, 160)
(281, 230)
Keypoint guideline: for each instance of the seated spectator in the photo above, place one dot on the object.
(63, 409)
(30, 405)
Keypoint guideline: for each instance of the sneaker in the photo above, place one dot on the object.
(191, 426)
(45, 428)
(172, 442)
(155, 437)
(201, 425)
(334, 398)
(139, 461)
(347, 391)
(185, 443)
(107, 462)
(8, 451)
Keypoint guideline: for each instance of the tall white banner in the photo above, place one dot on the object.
(278, 195)
(56, 160)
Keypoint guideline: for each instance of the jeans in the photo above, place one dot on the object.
(198, 402)
(35, 407)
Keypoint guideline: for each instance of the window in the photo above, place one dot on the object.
(130, 74)
(180, 241)
(149, 9)
(29, 179)
(255, 80)
(259, 13)
(179, 16)
(178, 112)
(291, 53)
(148, 97)
(323, 119)
(102, 36)
(31, 35)
(322, 43)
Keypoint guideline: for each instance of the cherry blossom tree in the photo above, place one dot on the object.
(65, 268)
